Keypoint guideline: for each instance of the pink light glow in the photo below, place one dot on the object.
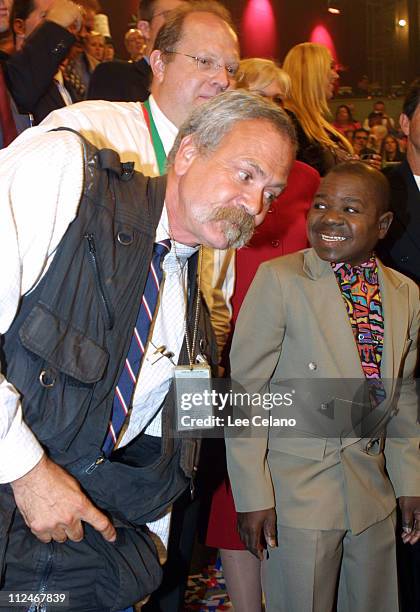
(259, 29)
(321, 35)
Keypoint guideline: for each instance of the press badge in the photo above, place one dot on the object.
(193, 395)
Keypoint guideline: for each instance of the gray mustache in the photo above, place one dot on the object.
(240, 225)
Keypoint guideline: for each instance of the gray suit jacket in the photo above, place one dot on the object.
(332, 478)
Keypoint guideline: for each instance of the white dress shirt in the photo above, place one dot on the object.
(40, 183)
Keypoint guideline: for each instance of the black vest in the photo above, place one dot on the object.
(66, 347)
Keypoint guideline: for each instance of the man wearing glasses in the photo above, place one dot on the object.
(360, 142)
(195, 57)
(130, 82)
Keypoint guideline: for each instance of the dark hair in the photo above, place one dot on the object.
(146, 9)
(399, 156)
(351, 118)
(21, 9)
(171, 32)
(361, 129)
(375, 178)
(412, 99)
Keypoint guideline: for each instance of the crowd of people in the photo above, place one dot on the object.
(128, 189)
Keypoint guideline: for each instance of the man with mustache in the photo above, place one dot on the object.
(76, 269)
(339, 331)
(195, 57)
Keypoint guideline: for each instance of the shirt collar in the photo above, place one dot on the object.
(179, 253)
(167, 130)
(349, 270)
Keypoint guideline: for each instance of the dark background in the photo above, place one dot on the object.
(366, 35)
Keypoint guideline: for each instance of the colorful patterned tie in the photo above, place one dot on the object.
(125, 388)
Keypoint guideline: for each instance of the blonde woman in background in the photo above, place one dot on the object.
(264, 77)
(312, 73)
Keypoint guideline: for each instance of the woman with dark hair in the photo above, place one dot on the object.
(390, 151)
(344, 120)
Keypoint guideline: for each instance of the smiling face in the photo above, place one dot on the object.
(221, 196)
(346, 218)
(178, 84)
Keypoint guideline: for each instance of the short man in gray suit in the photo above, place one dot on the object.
(331, 312)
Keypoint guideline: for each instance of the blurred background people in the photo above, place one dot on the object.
(78, 69)
(6, 41)
(313, 75)
(390, 151)
(360, 143)
(344, 121)
(109, 52)
(135, 44)
(264, 77)
(122, 81)
(382, 118)
(44, 32)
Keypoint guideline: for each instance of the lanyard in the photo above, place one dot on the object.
(154, 135)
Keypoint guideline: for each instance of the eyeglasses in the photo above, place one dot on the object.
(208, 65)
(361, 137)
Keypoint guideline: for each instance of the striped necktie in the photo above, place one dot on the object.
(126, 384)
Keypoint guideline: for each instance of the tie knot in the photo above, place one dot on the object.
(162, 247)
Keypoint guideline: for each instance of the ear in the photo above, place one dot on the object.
(157, 65)
(185, 155)
(144, 27)
(19, 27)
(405, 124)
(385, 221)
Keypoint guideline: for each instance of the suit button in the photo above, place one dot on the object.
(275, 243)
(404, 258)
(312, 365)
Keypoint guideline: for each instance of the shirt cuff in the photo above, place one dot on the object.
(20, 451)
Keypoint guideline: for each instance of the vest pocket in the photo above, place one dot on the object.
(56, 375)
(104, 301)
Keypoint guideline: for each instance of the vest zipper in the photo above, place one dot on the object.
(106, 308)
(41, 607)
(92, 467)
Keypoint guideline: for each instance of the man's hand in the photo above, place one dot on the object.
(257, 530)
(53, 505)
(66, 14)
(410, 512)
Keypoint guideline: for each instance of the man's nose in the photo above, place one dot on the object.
(221, 78)
(252, 202)
(333, 217)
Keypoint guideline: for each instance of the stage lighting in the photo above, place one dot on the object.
(334, 7)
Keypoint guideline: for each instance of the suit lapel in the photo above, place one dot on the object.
(335, 326)
(394, 296)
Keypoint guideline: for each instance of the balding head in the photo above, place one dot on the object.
(196, 57)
